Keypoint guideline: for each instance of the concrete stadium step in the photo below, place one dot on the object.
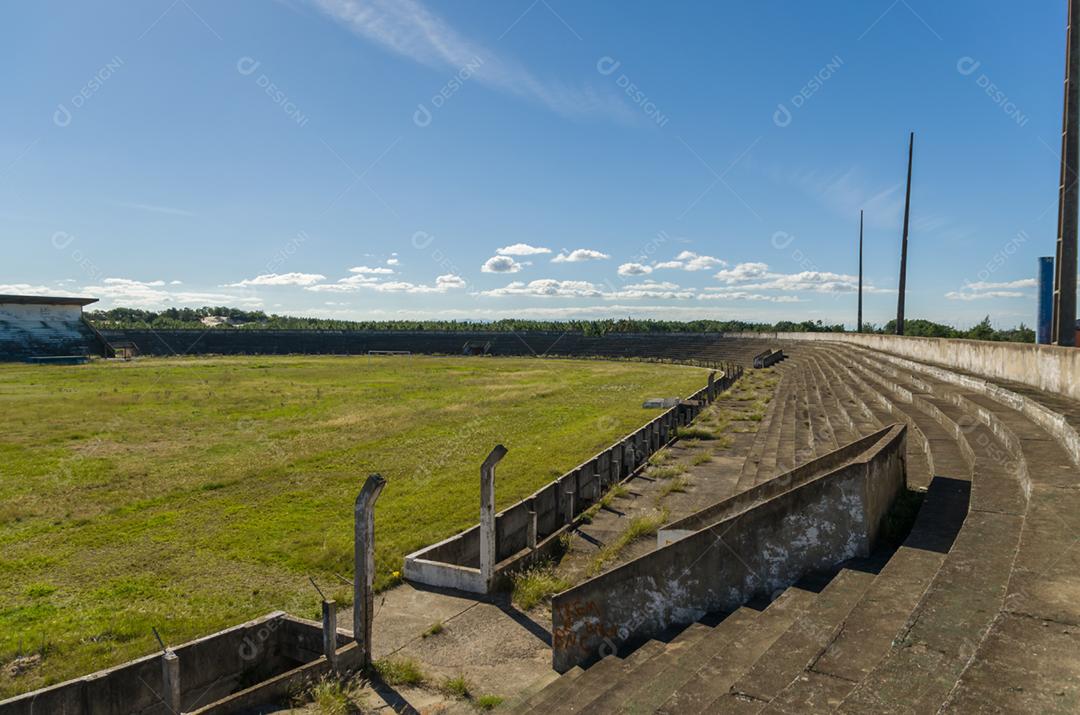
(870, 628)
(591, 694)
(947, 457)
(648, 696)
(554, 690)
(743, 645)
(770, 423)
(964, 598)
(862, 418)
(842, 415)
(829, 423)
(797, 647)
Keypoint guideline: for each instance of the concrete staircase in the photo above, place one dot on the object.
(978, 608)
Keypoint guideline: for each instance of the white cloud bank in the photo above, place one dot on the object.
(501, 264)
(279, 279)
(521, 249)
(580, 254)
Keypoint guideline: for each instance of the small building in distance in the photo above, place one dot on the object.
(35, 326)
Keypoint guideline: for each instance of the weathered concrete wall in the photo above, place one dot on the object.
(1046, 367)
(455, 562)
(29, 330)
(677, 347)
(210, 668)
(752, 552)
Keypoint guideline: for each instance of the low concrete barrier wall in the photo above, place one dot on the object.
(455, 562)
(752, 552)
(210, 668)
(1046, 367)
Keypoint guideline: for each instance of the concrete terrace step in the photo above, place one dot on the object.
(807, 636)
(553, 691)
(591, 695)
(743, 646)
(870, 628)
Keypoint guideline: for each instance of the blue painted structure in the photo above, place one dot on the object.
(1045, 316)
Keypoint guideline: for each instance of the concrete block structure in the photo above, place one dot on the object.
(46, 327)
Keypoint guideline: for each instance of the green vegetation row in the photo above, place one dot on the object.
(191, 318)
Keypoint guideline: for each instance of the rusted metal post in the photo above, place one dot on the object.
(329, 633)
(903, 244)
(488, 546)
(1064, 317)
(364, 576)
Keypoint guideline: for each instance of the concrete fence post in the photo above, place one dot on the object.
(616, 467)
(329, 633)
(170, 680)
(712, 386)
(570, 505)
(364, 557)
(530, 527)
(488, 545)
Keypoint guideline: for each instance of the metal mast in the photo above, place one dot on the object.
(903, 246)
(1064, 318)
(859, 323)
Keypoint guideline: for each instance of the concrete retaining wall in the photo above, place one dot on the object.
(1046, 367)
(751, 552)
(211, 668)
(455, 562)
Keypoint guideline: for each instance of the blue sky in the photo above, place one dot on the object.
(548, 159)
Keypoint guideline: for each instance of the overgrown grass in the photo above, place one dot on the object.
(667, 472)
(679, 485)
(433, 630)
(697, 431)
(330, 696)
(535, 585)
(191, 494)
(400, 671)
(488, 702)
(639, 526)
(616, 492)
(701, 458)
(457, 687)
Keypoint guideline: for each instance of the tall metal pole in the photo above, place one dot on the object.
(903, 246)
(859, 323)
(1064, 319)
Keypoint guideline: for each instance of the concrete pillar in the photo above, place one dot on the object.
(570, 503)
(488, 545)
(615, 466)
(329, 633)
(364, 569)
(530, 529)
(170, 680)
(712, 386)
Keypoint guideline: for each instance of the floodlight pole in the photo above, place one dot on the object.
(903, 245)
(858, 329)
(1064, 317)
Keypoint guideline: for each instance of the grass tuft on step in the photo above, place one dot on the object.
(536, 585)
(639, 526)
(400, 671)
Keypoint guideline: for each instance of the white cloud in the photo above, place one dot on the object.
(651, 289)
(153, 209)
(981, 290)
(154, 294)
(356, 283)
(580, 254)
(521, 249)
(27, 289)
(408, 28)
(743, 272)
(634, 269)
(277, 279)
(547, 288)
(690, 261)
(501, 264)
(745, 295)
(392, 261)
(365, 270)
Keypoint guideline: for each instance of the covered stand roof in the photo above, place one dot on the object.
(45, 300)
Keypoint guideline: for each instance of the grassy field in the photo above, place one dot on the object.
(191, 494)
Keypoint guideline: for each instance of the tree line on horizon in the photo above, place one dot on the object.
(191, 318)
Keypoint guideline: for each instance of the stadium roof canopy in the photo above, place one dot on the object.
(45, 300)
